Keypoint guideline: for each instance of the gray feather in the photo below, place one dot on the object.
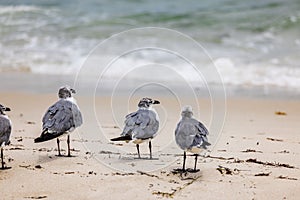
(141, 124)
(5, 130)
(191, 133)
(62, 117)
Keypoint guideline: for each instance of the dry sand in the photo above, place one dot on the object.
(256, 157)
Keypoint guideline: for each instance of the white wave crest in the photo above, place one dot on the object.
(258, 74)
(15, 9)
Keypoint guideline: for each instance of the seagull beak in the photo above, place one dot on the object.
(73, 91)
(156, 102)
(7, 109)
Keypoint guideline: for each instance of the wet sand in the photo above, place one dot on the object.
(256, 156)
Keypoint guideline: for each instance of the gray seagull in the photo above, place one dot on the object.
(5, 131)
(61, 118)
(142, 125)
(190, 135)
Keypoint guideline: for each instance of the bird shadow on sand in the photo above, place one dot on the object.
(47, 158)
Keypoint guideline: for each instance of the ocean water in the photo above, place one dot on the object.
(250, 43)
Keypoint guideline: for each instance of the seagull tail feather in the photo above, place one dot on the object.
(122, 138)
(205, 144)
(45, 136)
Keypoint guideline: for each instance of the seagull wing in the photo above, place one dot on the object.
(141, 124)
(5, 130)
(61, 117)
(200, 139)
(191, 133)
(185, 134)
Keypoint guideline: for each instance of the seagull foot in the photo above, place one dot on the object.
(178, 171)
(5, 168)
(153, 158)
(181, 171)
(193, 170)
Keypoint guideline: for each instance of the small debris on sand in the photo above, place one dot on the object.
(37, 197)
(273, 139)
(251, 150)
(227, 171)
(263, 174)
(286, 177)
(280, 113)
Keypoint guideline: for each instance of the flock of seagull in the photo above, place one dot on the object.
(64, 116)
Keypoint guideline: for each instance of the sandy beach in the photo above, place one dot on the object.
(256, 156)
(235, 62)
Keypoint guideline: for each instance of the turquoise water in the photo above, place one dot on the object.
(254, 43)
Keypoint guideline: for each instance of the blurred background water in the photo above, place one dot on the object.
(252, 43)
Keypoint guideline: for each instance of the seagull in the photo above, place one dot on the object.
(61, 118)
(190, 135)
(5, 131)
(142, 125)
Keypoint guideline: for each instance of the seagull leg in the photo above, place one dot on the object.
(138, 150)
(68, 142)
(184, 158)
(150, 148)
(195, 166)
(58, 147)
(2, 161)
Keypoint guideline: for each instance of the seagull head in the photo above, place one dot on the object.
(65, 92)
(147, 102)
(3, 108)
(187, 111)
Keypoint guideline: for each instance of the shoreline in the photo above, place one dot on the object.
(27, 83)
